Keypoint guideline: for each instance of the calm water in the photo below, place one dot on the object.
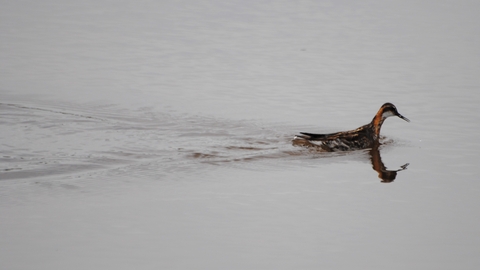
(158, 135)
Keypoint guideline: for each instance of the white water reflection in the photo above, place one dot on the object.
(158, 135)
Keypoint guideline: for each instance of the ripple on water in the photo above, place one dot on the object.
(82, 140)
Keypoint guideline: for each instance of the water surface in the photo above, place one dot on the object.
(158, 135)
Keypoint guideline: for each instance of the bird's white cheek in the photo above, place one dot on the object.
(387, 114)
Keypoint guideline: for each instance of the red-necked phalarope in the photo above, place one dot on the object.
(360, 138)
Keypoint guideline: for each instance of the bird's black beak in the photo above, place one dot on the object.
(403, 117)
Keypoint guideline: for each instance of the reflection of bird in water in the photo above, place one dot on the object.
(360, 138)
(387, 176)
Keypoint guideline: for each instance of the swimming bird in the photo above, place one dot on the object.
(360, 138)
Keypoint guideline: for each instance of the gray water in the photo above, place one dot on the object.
(157, 135)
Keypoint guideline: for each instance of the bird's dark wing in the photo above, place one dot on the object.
(319, 137)
(347, 135)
